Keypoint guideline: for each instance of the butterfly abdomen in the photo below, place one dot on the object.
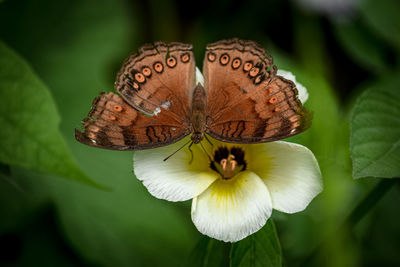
(198, 116)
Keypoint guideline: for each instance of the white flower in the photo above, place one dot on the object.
(235, 191)
(233, 196)
(303, 94)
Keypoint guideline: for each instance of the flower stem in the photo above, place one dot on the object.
(359, 211)
(369, 201)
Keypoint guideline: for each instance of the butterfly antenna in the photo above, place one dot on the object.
(180, 149)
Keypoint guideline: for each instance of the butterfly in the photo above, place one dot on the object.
(243, 100)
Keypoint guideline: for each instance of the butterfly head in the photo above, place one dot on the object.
(197, 137)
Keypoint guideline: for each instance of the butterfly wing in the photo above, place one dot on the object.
(246, 101)
(157, 82)
(114, 124)
(160, 76)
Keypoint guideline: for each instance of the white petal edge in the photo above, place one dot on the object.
(174, 179)
(230, 210)
(303, 94)
(290, 172)
(199, 77)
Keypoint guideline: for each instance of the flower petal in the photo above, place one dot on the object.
(303, 94)
(230, 210)
(290, 172)
(175, 179)
(199, 77)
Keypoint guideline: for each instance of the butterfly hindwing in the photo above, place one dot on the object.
(113, 124)
(246, 101)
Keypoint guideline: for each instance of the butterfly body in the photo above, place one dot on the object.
(242, 100)
(198, 114)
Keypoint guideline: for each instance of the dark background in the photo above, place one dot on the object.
(335, 48)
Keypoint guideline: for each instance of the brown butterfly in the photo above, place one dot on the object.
(243, 99)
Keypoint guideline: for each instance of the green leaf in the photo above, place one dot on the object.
(260, 249)
(383, 17)
(125, 227)
(375, 131)
(29, 137)
(331, 149)
(128, 226)
(209, 253)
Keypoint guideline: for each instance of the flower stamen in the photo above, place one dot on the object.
(227, 162)
(228, 166)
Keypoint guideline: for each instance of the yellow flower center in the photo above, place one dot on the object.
(228, 162)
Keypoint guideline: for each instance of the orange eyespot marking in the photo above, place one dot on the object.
(211, 56)
(140, 77)
(158, 67)
(236, 63)
(117, 108)
(224, 59)
(135, 86)
(254, 71)
(185, 57)
(247, 66)
(171, 62)
(272, 100)
(146, 71)
(259, 79)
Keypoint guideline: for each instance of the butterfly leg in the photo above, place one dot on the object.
(208, 140)
(205, 151)
(191, 153)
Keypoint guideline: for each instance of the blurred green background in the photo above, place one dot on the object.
(337, 49)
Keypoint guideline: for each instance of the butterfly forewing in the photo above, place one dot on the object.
(155, 85)
(247, 101)
(114, 124)
(160, 76)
